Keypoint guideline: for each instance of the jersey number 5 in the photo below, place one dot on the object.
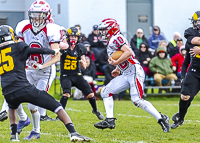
(6, 58)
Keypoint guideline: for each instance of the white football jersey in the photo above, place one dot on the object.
(115, 44)
(48, 35)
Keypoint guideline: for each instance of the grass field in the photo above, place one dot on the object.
(133, 125)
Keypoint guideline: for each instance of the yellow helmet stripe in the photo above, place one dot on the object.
(12, 35)
(78, 33)
(195, 16)
(69, 31)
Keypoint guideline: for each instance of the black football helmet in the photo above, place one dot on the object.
(7, 35)
(73, 31)
(196, 20)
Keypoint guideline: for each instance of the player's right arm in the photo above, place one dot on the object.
(55, 59)
(120, 43)
(127, 52)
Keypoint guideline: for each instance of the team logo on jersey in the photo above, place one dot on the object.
(75, 53)
(35, 38)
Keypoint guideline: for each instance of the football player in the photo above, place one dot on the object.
(132, 77)
(39, 32)
(71, 60)
(17, 89)
(190, 81)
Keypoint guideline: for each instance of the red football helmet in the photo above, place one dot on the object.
(109, 27)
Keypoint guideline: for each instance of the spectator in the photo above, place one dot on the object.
(163, 44)
(172, 48)
(179, 58)
(144, 57)
(83, 37)
(179, 43)
(95, 41)
(102, 61)
(154, 39)
(137, 39)
(161, 66)
(89, 53)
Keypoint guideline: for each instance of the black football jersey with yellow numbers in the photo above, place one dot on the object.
(69, 59)
(12, 68)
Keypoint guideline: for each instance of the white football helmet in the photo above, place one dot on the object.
(39, 14)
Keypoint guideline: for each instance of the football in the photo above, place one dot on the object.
(116, 55)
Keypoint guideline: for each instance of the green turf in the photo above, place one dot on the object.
(133, 125)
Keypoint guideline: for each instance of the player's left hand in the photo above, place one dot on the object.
(37, 66)
(194, 51)
(112, 61)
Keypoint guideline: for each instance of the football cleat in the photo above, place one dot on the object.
(107, 123)
(77, 137)
(164, 122)
(175, 117)
(177, 124)
(33, 135)
(47, 118)
(14, 138)
(98, 114)
(3, 116)
(22, 124)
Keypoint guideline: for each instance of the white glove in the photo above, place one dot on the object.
(56, 51)
(37, 66)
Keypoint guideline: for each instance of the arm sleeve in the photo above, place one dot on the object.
(28, 51)
(189, 39)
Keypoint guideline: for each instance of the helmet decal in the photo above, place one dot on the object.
(195, 16)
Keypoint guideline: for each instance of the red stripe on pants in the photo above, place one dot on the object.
(139, 87)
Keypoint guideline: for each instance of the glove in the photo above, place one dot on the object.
(37, 66)
(56, 51)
